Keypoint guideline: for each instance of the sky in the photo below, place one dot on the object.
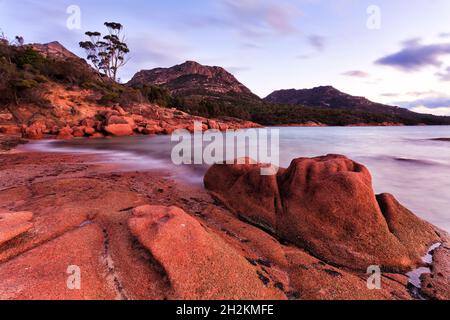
(393, 52)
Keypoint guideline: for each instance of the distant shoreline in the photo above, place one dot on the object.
(355, 125)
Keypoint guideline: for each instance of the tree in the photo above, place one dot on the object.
(107, 53)
(19, 41)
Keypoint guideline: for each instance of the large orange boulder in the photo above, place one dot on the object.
(256, 196)
(198, 263)
(119, 130)
(326, 205)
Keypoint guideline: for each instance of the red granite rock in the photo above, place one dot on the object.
(327, 206)
(199, 264)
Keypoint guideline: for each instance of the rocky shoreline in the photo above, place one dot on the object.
(141, 235)
(75, 113)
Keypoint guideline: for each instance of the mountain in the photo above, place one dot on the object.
(329, 98)
(207, 91)
(192, 78)
(198, 89)
(54, 50)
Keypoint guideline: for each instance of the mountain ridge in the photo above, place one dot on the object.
(324, 97)
(191, 76)
(54, 50)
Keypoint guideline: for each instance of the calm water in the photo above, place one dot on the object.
(403, 161)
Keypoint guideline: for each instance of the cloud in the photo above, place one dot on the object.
(428, 93)
(416, 94)
(317, 41)
(444, 76)
(249, 45)
(441, 111)
(149, 50)
(237, 69)
(390, 94)
(444, 34)
(415, 56)
(156, 50)
(411, 42)
(303, 57)
(429, 102)
(356, 74)
(436, 103)
(255, 17)
(432, 102)
(251, 18)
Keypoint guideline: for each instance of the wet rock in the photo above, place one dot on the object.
(414, 233)
(436, 285)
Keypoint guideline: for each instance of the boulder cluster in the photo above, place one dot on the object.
(119, 123)
(327, 206)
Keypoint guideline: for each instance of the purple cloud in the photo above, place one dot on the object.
(431, 102)
(415, 56)
(237, 69)
(444, 76)
(317, 41)
(303, 57)
(356, 74)
(150, 50)
(390, 94)
(251, 18)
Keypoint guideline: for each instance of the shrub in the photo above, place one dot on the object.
(27, 56)
(109, 98)
(24, 84)
(128, 96)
